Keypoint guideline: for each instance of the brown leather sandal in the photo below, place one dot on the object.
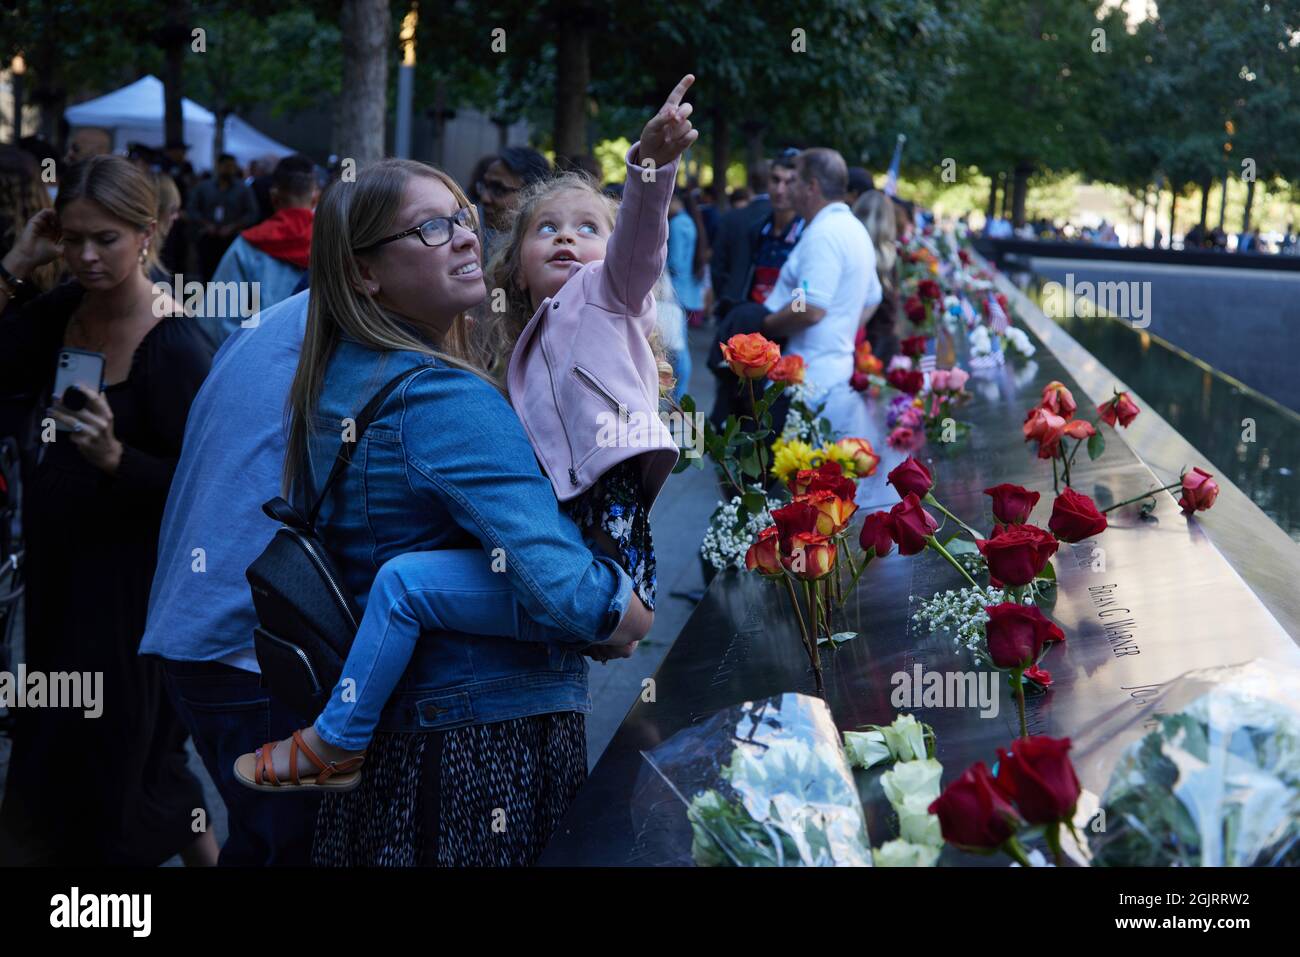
(255, 769)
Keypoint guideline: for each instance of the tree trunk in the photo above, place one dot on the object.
(47, 94)
(1173, 211)
(175, 41)
(1250, 201)
(1006, 196)
(992, 209)
(1205, 200)
(572, 77)
(1021, 189)
(721, 157)
(359, 122)
(221, 114)
(1223, 200)
(753, 143)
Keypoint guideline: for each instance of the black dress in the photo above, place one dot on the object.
(114, 789)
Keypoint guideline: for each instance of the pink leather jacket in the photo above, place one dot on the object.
(582, 377)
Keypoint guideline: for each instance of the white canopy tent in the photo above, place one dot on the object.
(134, 114)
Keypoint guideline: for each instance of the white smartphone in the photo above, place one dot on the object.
(81, 368)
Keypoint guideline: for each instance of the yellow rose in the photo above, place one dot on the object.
(789, 457)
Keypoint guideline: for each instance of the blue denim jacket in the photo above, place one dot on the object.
(445, 463)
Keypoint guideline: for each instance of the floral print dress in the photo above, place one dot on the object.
(616, 504)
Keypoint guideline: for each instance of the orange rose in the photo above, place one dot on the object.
(865, 458)
(833, 512)
(788, 369)
(812, 556)
(750, 356)
(764, 556)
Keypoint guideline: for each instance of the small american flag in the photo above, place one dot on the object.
(928, 363)
(998, 320)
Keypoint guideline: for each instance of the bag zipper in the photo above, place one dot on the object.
(589, 380)
(320, 565)
(302, 656)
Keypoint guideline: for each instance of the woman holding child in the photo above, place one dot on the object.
(447, 743)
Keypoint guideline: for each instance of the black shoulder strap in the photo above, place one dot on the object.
(344, 457)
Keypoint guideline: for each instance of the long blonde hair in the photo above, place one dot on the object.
(876, 211)
(497, 331)
(351, 215)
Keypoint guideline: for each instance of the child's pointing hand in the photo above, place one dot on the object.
(669, 131)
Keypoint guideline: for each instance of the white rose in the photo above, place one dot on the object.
(865, 749)
(912, 779)
(906, 738)
(899, 853)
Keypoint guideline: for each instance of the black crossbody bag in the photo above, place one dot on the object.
(306, 617)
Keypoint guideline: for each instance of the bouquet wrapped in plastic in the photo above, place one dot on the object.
(760, 784)
(1214, 781)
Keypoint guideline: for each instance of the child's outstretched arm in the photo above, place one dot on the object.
(634, 257)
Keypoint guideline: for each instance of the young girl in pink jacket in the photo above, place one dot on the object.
(569, 328)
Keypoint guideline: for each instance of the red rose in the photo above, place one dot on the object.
(912, 525)
(877, 533)
(906, 380)
(1058, 400)
(928, 289)
(914, 309)
(1039, 676)
(964, 257)
(902, 438)
(827, 477)
(788, 369)
(1017, 553)
(793, 519)
(973, 813)
(1122, 408)
(860, 382)
(913, 346)
(1199, 491)
(1016, 634)
(764, 556)
(1012, 503)
(911, 477)
(1038, 777)
(1075, 517)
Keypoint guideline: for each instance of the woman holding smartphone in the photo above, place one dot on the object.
(98, 781)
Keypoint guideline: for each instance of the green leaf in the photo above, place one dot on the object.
(754, 502)
(838, 638)
(962, 546)
(749, 464)
(688, 404)
(1096, 445)
(1048, 573)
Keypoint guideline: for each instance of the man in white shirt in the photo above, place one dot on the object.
(819, 297)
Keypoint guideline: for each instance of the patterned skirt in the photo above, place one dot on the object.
(488, 795)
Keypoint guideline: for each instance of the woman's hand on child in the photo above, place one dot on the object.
(669, 131)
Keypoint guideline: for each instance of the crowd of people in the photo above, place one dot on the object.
(505, 320)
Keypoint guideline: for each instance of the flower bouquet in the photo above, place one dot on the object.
(763, 784)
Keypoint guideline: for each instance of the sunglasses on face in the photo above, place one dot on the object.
(434, 232)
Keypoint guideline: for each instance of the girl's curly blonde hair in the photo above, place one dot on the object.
(499, 324)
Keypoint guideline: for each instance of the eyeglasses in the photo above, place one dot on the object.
(496, 187)
(434, 232)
